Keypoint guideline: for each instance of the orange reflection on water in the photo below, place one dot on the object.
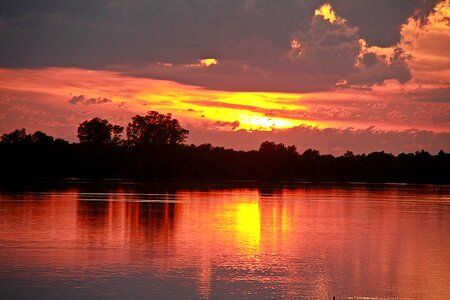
(248, 224)
(296, 243)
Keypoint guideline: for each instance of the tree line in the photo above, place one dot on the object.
(154, 149)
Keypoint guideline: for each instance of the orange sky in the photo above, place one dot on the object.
(39, 98)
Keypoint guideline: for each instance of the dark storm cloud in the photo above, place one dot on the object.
(250, 38)
(375, 70)
(379, 21)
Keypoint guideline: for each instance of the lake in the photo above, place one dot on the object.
(245, 241)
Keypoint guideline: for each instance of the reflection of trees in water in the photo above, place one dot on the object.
(121, 217)
(92, 213)
(157, 218)
(269, 191)
(276, 217)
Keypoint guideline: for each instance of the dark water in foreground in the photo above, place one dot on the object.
(304, 242)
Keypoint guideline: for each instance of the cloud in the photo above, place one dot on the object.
(439, 95)
(341, 120)
(218, 104)
(428, 47)
(250, 39)
(393, 106)
(375, 69)
(379, 22)
(224, 125)
(84, 100)
(206, 62)
(333, 47)
(52, 113)
(316, 56)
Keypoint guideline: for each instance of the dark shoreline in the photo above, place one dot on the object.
(34, 162)
(154, 152)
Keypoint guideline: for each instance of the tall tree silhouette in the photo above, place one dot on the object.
(99, 131)
(155, 129)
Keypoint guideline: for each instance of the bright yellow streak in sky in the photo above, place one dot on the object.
(190, 104)
(266, 123)
(262, 100)
(253, 111)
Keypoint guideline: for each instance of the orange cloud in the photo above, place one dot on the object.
(141, 94)
(206, 62)
(428, 45)
(127, 96)
(46, 96)
(43, 99)
(327, 12)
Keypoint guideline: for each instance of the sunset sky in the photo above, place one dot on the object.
(331, 75)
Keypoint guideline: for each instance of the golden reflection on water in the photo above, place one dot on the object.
(295, 243)
(247, 225)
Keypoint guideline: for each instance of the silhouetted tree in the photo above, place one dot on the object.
(99, 131)
(40, 137)
(154, 152)
(18, 136)
(311, 154)
(276, 160)
(349, 154)
(155, 129)
(309, 165)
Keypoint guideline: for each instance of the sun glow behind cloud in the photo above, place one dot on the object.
(248, 110)
(252, 111)
(206, 62)
(428, 46)
(327, 12)
(420, 103)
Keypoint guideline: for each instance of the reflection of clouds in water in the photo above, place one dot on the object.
(313, 241)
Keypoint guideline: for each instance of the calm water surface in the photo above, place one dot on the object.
(303, 242)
